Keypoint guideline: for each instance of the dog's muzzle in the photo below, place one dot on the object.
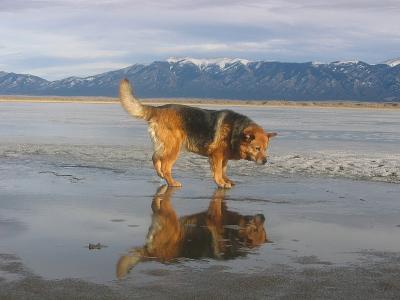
(261, 161)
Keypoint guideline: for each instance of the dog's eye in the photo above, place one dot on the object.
(258, 148)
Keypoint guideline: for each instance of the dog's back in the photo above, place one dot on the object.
(203, 127)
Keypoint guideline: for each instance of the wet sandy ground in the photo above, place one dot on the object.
(328, 237)
(371, 280)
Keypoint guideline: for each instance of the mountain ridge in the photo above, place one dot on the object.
(227, 78)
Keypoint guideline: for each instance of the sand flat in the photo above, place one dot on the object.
(208, 102)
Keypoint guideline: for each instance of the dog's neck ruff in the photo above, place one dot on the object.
(240, 123)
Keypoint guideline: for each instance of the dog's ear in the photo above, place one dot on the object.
(271, 134)
(248, 134)
(249, 137)
(259, 219)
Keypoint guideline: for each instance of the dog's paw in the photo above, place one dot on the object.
(230, 181)
(175, 184)
(225, 185)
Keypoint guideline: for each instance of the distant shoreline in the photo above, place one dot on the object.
(213, 102)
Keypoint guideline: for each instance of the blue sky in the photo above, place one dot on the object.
(59, 38)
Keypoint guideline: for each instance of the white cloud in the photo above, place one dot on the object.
(34, 42)
(80, 70)
(62, 33)
(267, 46)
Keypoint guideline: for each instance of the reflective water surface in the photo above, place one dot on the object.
(73, 175)
(215, 233)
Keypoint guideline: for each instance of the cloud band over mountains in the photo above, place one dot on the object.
(58, 38)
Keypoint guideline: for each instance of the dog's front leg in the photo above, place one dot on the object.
(216, 163)
(224, 176)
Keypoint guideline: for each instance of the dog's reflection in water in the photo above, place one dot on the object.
(215, 233)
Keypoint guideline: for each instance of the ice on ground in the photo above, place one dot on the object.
(128, 158)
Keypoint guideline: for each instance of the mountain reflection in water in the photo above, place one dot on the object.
(215, 233)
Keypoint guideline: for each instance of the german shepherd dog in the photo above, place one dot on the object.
(219, 135)
(216, 233)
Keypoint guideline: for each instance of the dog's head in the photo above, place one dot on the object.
(252, 230)
(254, 144)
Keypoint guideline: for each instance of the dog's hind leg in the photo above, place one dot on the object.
(167, 145)
(158, 149)
(157, 164)
(168, 159)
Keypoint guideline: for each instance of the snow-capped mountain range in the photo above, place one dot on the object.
(222, 63)
(229, 78)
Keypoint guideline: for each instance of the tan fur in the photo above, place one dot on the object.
(168, 235)
(167, 130)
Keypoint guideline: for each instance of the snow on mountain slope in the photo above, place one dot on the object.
(203, 63)
(392, 62)
(346, 62)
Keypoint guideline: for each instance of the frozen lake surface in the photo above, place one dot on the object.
(73, 174)
(340, 143)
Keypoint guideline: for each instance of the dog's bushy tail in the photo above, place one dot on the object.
(130, 103)
(127, 262)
